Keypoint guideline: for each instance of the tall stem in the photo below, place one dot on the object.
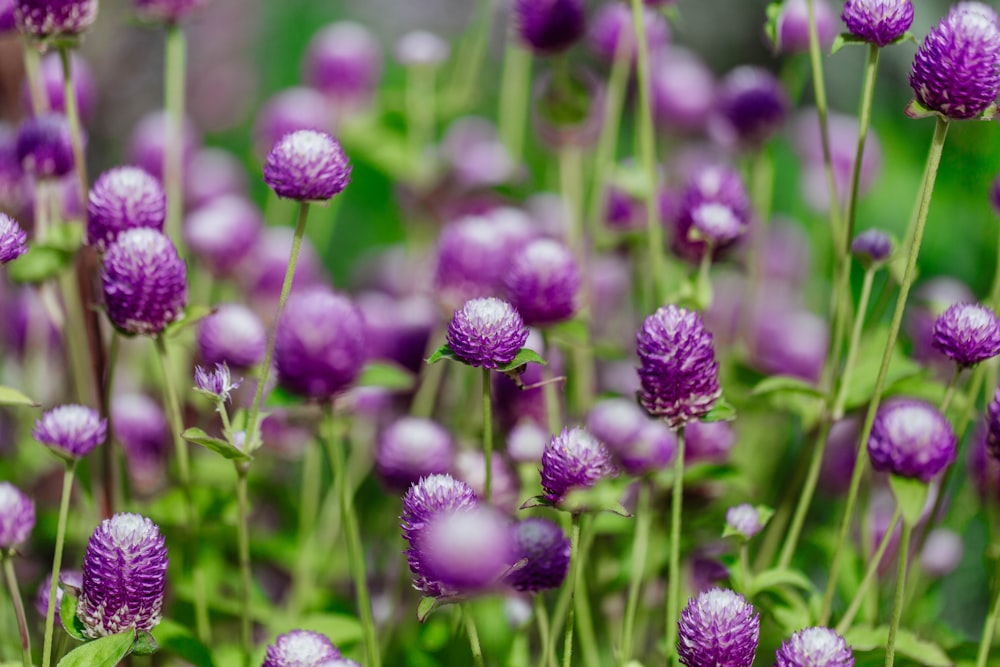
(572, 577)
(33, 70)
(420, 107)
(514, 87)
(15, 597)
(50, 611)
(819, 93)
(304, 576)
(674, 563)
(487, 434)
(640, 548)
(470, 630)
(73, 116)
(607, 141)
(864, 121)
(542, 618)
(897, 606)
(949, 392)
(861, 593)
(246, 577)
(173, 154)
(989, 628)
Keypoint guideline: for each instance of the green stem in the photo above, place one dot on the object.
(325, 229)
(304, 576)
(430, 382)
(745, 566)
(864, 121)
(949, 392)
(173, 154)
(861, 593)
(607, 142)
(640, 549)
(542, 617)
(15, 597)
(926, 191)
(487, 434)
(420, 107)
(33, 71)
(246, 576)
(897, 606)
(674, 562)
(840, 403)
(50, 611)
(584, 619)
(470, 57)
(73, 116)
(989, 628)
(514, 87)
(112, 470)
(572, 578)
(470, 630)
(819, 93)
(553, 417)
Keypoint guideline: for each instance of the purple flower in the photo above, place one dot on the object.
(549, 27)
(300, 648)
(616, 422)
(72, 578)
(232, 335)
(308, 166)
(223, 232)
(879, 22)
(716, 223)
(344, 62)
(789, 342)
(715, 207)
(466, 550)
(167, 11)
(718, 628)
(84, 87)
(678, 371)
(957, 69)
(710, 442)
(967, 333)
(574, 459)
(398, 328)
(420, 48)
(477, 156)
(145, 282)
(526, 442)
(17, 516)
(289, 111)
(930, 300)
(262, 271)
(543, 282)
(217, 382)
(124, 576)
(545, 547)
(814, 647)
(54, 18)
(70, 431)
(683, 90)
(993, 425)
(505, 488)
(568, 111)
(942, 553)
(141, 427)
(793, 26)
(213, 173)
(411, 448)
(911, 438)
(994, 194)
(7, 21)
(123, 198)
(45, 146)
(613, 29)
(750, 108)
(744, 519)
(148, 141)
(872, 246)
(13, 186)
(320, 344)
(13, 240)
(486, 333)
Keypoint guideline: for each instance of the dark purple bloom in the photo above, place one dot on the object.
(54, 18)
(167, 11)
(839, 456)
(308, 166)
(789, 342)
(872, 246)
(320, 344)
(45, 146)
(574, 459)
(466, 550)
(678, 371)
(398, 328)
(750, 108)
(140, 425)
(613, 29)
(148, 141)
(814, 647)
(744, 519)
(72, 578)
(232, 335)
(545, 547)
(84, 87)
(420, 48)
(124, 576)
(793, 26)
(486, 333)
(911, 438)
(17, 516)
(13, 186)
(718, 628)
(993, 425)
(708, 441)
(715, 207)
(300, 648)
(344, 62)
(223, 232)
(289, 111)
(123, 198)
(683, 90)
(967, 333)
(7, 21)
(411, 448)
(879, 22)
(956, 71)
(549, 27)
(217, 382)
(145, 282)
(211, 174)
(70, 431)
(13, 240)
(542, 283)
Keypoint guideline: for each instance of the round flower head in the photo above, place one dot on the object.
(475, 153)
(140, 425)
(708, 441)
(167, 11)
(17, 516)
(911, 438)
(486, 333)
(45, 146)
(613, 29)
(344, 62)
(653, 449)
(420, 48)
(54, 18)
(548, 27)
(751, 106)
(70, 431)
(942, 553)
(300, 648)
(7, 21)
(678, 371)
(956, 71)
(993, 425)
(879, 22)
(145, 282)
(505, 489)
(744, 519)
(289, 111)
(123, 198)
(148, 142)
(13, 240)
(683, 90)
(84, 86)
(814, 647)
(929, 301)
(716, 223)
(616, 422)
(217, 382)
(223, 232)
(547, 550)
(718, 628)
(308, 166)
(967, 333)
(411, 448)
(124, 576)
(72, 578)
(466, 550)
(542, 283)
(871, 247)
(574, 459)
(232, 335)
(714, 210)
(213, 173)
(789, 342)
(793, 26)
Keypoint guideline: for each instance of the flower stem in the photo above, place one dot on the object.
(470, 56)
(487, 434)
(864, 121)
(949, 392)
(15, 597)
(33, 70)
(607, 142)
(470, 630)
(246, 576)
(544, 632)
(989, 628)
(897, 606)
(674, 563)
(926, 190)
(640, 549)
(304, 576)
(575, 569)
(73, 116)
(50, 611)
(420, 107)
(860, 594)
(173, 154)
(514, 85)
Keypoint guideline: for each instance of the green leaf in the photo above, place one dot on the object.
(776, 578)
(145, 644)
(104, 652)
(786, 384)
(192, 315)
(385, 375)
(67, 614)
(722, 411)
(279, 397)
(426, 607)
(177, 640)
(908, 645)
(570, 332)
(523, 356)
(444, 352)
(771, 25)
(846, 39)
(869, 361)
(219, 446)
(916, 110)
(989, 113)
(39, 264)
(67, 237)
(14, 398)
(911, 496)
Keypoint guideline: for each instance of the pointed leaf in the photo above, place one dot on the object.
(916, 110)
(776, 578)
(192, 315)
(846, 39)
(67, 614)
(443, 352)
(145, 644)
(104, 652)
(12, 397)
(911, 496)
(523, 356)
(217, 445)
(786, 384)
(863, 638)
(66, 237)
(385, 375)
(177, 640)
(426, 608)
(722, 411)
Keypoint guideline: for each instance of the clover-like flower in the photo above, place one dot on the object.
(232, 335)
(719, 628)
(544, 547)
(814, 647)
(543, 282)
(464, 551)
(486, 333)
(123, 198)
(223, 232)
(70, 431)
(344, 62)
(300, 648)
(307, 165)
(911, 438)
(411, 448)
(574, 459)
(17, 516)
(217, 382)
(13, 240)
(548, 27)
(54, 18)
(879, 22)
(967, 333)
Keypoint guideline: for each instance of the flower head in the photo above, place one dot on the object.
(289, 111)
(140, 425)
(750, 108)
(420, 48)
(13, 240)
(744, 519)
(145, 282)
(73, 578)
(793, 26)
(574, 459)
(45, 146)
(17, 516)
(167, 11)
(613, 29)
(814, 647)
(223, 232)
(871, 246)
(84, 86)
(543, 282)
(411, 448)
(300, 648)
(232, 335)
(217, 382)
(911, 438)
(708, 441)
(683, 90)
(486, 333)
(714, 211)
(149, 139)
(70, 431)
(967, 333)
(54, 18)
(465, 550)
(124, 576)
(213, 173)
(124, 198)
(344, 62)
(546, 550)
(308, 166)
(7, 21)
(549, 27)
(718, 628)
(879, 22)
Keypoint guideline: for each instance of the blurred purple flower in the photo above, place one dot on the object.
(17, 516)
(289, 111)
(613, 29)
(148, 141)
(545, 547)
(223, 232)
(123, 198)
(344, 62)
(684, 90)
(213, 173)
(45, 146)
(412, 448)
(542, 283)
(70, 431)
(72, 578)
(750, 108)
(910, 438)
(548, 27)
(232, 335)
(84, 86)
(300, 648)
(793, 26)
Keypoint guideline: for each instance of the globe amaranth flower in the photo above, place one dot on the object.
(683, 89)
(543, 282)
(548, 27)
(714, 211)
(232, 335)
(147, 143)
(878, 22)
(399, 328)
(139, 424)
(84, 86)
(223, 232)
(744, 519)
(217, 382)
(145, 282)
(678, 371)
(300, 648)
(420, 48)
(792, 29)
(124, 577)
(814, 647)
(719, 627)
(574, 459)
(308, 166)
(13, 240)
(544, 547)
(942, 553)
(54, 18)
(7, 21)
(967, 333)
(167, 11)
(71, 578)
(411, 448)
(45, 146)
(486, 333)
(320, 344)
(750, 108)
(911, 438)
(17, 516)
(70, 431)
(612, 32)
(289, 111)
(344, 62)
(871, 247)
(465, 551)
(213, 173)
(123, 198)
(993, 425)
(956, 71)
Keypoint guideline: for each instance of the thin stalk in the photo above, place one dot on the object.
(897, 606)
(563, 603)
(745, 570)
(246, 576)
(304, 575)
(864, 121)
(50, 611)
(819, 93)
(674, 563)
(487, 433)
(575, 569)
(15, 597)
(427, 393)
(420, 107)
(73, 116)
(33, 70)
(607, 141)
(866, 582)
(989, 628)
(173, 154)
(553, 418)
(542, 618)
(584, 619)
(640, 549)
(325, 228)
(112, 471)
(926, 191)
(515, 83)
(470, 56)
(470, 630)
(949, 392)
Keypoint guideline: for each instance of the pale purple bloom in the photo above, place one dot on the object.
(469, 466)
(465, 550)
(814, 647)
(942, 553)
(17, 516)
(411, 448)
(308, 166)
(420, 48)
(744, 519)
(477, 156)
(789, 342)
(843, 132)
(993, 425)
(716, 203)
(545, 547)
(967, 333)
(148, 141)
(124, 198)
(542, 283)
(716, 223)
(54, 18)
(549, 27)
(167, 11)
(617, 422)
(218, 382)
(84, 86)
(300, 648)
(879, 22)
(70, 431)
(683, 89)
(289, 111)
(911, 438)
(223, 232)
(719, 628)
(13, 240)
(14, 188)
(486, 333)
(344, 62)
(572, 460)
(213, 173)
(871, 246)
(526, 442)
(750, 108)
(398, 328)
(45, 146)
(232, 335)
(793, 26)
(708, 442)
(262, 271)
(140, 425)
(72, 578)
(613, 29)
